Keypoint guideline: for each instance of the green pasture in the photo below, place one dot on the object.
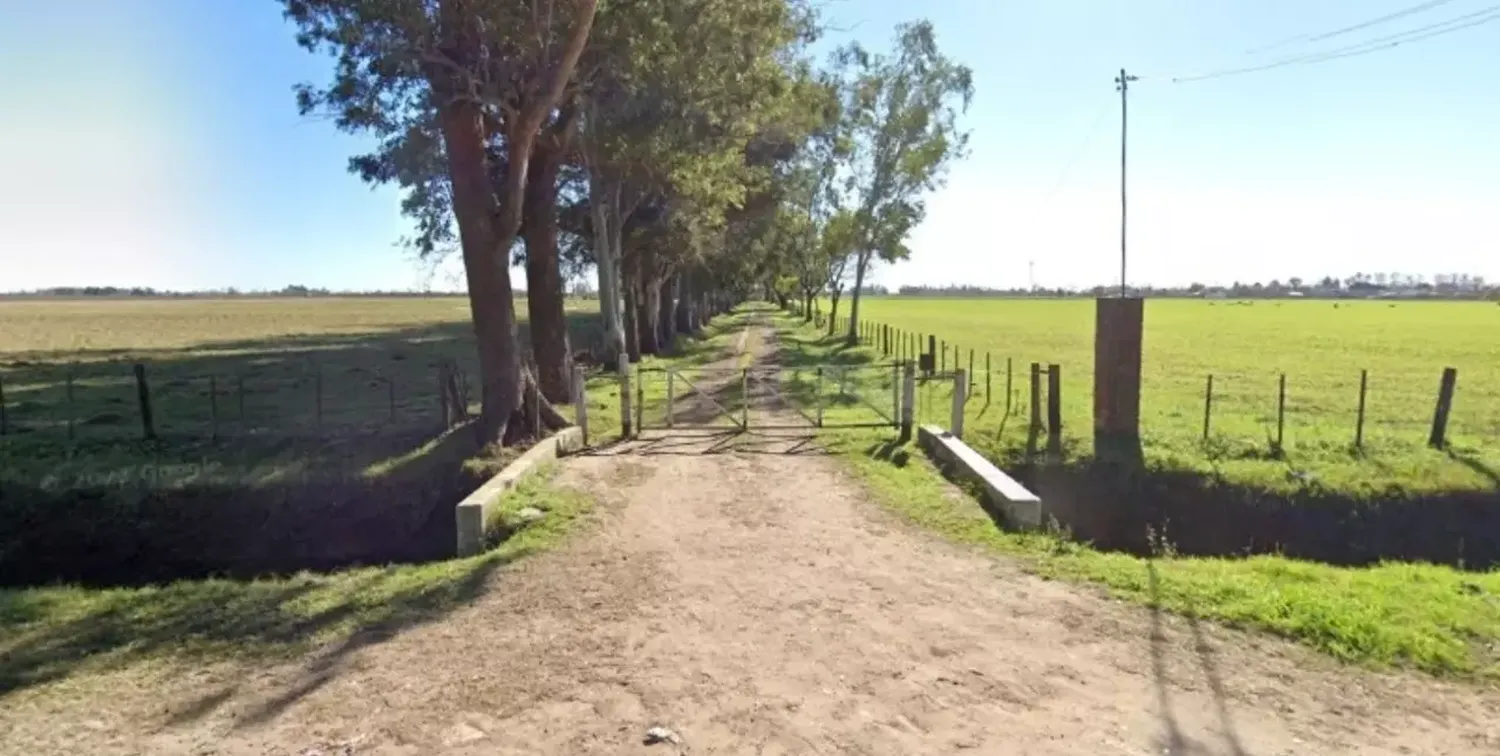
(1320, 346)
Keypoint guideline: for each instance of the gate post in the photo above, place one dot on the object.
(745, 399)
(908, 399)
(580, 403)
(818, 396)
(960, 392)
(671, 374)
(624, 367)
(896, 391)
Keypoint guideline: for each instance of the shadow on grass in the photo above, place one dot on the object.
(1476, 465)
(1126, 507)
(220, 619)
(327, 454)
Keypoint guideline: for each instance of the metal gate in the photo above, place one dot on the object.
(769, 397)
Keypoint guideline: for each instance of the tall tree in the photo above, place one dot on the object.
(478, 69)
(901, 116)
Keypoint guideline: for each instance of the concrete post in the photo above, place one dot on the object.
(1118, 327)
(624, 368)
(908, 399)
(960, 394)
(580, 403)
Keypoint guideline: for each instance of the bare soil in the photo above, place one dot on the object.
(744, 593)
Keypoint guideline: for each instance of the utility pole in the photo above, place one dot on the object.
(1122, 83)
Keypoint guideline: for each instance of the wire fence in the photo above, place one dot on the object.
(1271, 411)
(87, 403)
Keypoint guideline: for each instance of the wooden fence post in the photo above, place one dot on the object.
(1054, 410)
(987, 380)
(1439, 437)
(818, 397)
(1009, 388)
(143, 396)
(908, 401)
(971, 371)
(640, 401)
(1281, 414)
(623, 365)
(1035, 425)
(943, 359)
(960, 395)
(1359, 421)
(932, 350)
(1208, 405)
(671, 393)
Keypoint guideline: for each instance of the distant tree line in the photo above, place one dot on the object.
(1393, 285)
(118, 292)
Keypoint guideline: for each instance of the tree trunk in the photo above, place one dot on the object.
(852, 337)
(833, 311)
(666, 308)
(807, 308)
(650, 323)
(630, 287)
(544, 285)
(488, 218)
(685, 321)
(604, 199)
(491, 302)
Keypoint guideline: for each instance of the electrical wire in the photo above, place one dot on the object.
(1392, 16)
(1467, 21)
(1088, 139)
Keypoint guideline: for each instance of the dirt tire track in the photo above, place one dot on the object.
(759, 603)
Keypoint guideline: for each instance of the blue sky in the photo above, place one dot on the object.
(156, 143)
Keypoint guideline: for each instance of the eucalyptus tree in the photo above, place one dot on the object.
(900, 114)
(462, 74)
(678, 98)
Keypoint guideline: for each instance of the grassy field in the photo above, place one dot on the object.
(1321, 346)
(241, 389)
(1435, 618)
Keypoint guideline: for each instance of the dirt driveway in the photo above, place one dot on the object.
(753, 600)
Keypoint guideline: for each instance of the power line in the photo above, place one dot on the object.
(1083, 145)
(1392, 16)
(1477, 18)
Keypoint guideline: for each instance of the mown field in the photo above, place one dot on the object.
(240, 388)
(1321, 347)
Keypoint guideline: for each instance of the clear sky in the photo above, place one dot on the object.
(156, 143)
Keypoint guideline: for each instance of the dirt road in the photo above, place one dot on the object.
(757, 602)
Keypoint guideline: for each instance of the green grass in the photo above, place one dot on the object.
(243, 391)
(1321, 346)
(50, 633)
(1434, 618)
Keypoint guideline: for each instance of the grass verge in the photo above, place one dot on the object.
(1434, 618)
(50, 633)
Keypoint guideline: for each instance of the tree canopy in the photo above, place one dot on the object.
(687, 152)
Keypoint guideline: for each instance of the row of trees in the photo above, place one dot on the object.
(687, 152)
